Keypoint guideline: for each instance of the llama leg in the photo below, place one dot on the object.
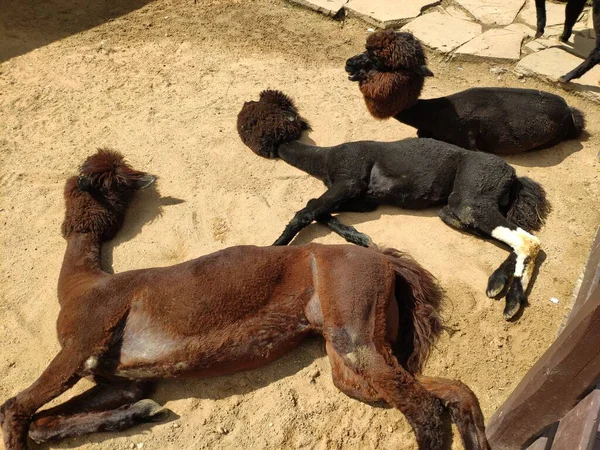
(104, 396)
(15, 413)
(463, 407)
(348, 232)
(402, 391)
(347, 380)
(50, 428)
(328, 202)
(572, 11)
(592, 60)
(487, 218)
(501, 276)
(540, 9)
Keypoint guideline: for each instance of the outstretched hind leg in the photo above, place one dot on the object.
(347, 380)
(367, 374)
(464, 409)
(108, 406)
(485, 217)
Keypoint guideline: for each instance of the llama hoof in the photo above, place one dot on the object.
(151, 410)
(538, 34)
(496, 283)
(564, 79)
(514, 300)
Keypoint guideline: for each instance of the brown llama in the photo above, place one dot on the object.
(390, 75)
(233, 310)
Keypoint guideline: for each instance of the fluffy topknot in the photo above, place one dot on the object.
(97, 199)
(396, 50)
(391, 72)
(269, 122)
(106, 169)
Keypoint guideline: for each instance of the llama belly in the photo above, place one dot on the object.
(150, 350)
(403, 190)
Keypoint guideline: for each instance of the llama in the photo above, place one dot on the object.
(390, 74)
(573, 9)
(480, 192)
(233, 310)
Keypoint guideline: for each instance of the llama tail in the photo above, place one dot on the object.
(578, 122)
(419, 300)
(529, 206)
(464, 409)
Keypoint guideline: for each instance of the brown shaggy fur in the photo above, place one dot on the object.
(276, 125)
(422, 300)
(397, 50)
(393, 84)
(96, 200)
(233, 310)
(387, 93)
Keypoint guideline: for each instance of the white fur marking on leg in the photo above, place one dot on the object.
(91, 363)
(525, 245)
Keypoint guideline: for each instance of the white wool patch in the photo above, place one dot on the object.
(525, 245)
(91, 363)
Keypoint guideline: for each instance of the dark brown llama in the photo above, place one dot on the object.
(233, 310)
(390, 75)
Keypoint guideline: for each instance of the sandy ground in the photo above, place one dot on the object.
(163, 82)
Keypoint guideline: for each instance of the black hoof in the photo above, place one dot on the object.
(538, 34)
(363, 240)
(515, 299)
(564, 79)
(496, 283)
(150, 410)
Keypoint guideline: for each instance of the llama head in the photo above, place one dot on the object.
(390, 72)
(97, 199)
(269, 122)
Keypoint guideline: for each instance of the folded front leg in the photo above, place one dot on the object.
(325, 204)
(348, 232)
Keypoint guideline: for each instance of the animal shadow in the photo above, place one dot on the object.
(147, 206)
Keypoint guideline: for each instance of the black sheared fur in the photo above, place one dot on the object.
(473, 188)
(496, 120)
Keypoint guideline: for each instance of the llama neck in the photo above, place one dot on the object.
(308, 158)
(80, 263)
(418, 115)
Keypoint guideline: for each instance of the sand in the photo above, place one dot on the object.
(163, 82)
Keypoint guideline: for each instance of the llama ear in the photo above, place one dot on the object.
(84, 183)
(423, 70)
(144, 181)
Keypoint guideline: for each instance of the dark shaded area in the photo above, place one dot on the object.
(29, 24)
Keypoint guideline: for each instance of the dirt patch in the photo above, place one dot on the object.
(163, 84)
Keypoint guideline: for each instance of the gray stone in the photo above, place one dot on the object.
(388, 13)
(552, 63)
(441, 31)
(498, 44)
(327, 7)
(493, 12)
(555, 14)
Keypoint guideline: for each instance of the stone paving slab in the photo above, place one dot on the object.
(555, 14)
(388, 13)
(458, 13)
(498, 44)
(441, 31)
(493, 12)
(328, 7)
(552, 63)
